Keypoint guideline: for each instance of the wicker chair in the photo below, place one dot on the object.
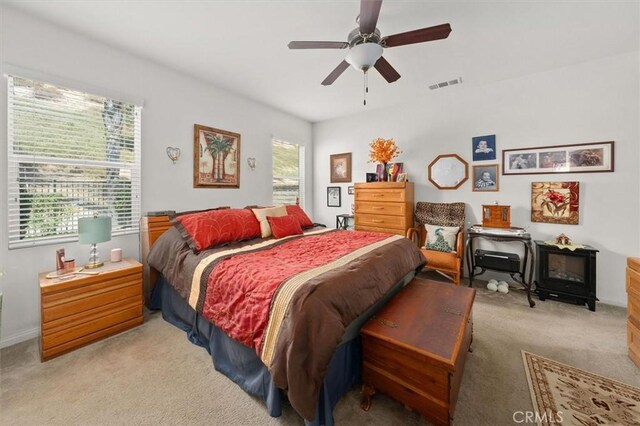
(448, 264)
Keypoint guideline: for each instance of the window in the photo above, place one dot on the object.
(70, 155)
(288, 172)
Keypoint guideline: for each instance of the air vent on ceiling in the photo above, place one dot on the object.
(445, 83)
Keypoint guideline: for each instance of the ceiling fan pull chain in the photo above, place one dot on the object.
(366, 87)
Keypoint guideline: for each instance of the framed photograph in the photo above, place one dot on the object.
(215, 158)
(393, 170)
(485, 178)
(340, 167)
(371, 177)
(484, 148)
(576, 158)
(351, 190)
(333, 196)
(555, 202)
(402, 177)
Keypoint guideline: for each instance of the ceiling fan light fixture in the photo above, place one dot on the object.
(364, 56)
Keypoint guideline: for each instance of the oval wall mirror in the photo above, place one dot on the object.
(448, 171)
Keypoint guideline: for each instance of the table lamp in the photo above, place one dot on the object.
(94, 230)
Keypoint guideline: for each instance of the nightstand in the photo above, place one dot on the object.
(86, 308)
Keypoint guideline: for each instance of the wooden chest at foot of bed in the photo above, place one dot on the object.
(414, 349)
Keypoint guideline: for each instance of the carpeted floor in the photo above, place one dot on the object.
(154, 375)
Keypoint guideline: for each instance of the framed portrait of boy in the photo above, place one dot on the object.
(485, 178)
(484, 148)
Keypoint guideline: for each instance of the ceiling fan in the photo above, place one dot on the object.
(366, 45)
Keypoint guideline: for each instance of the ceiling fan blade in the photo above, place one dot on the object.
(388, 72)
(417, 36)
(318, 45)
(369, 11)
(335, 73)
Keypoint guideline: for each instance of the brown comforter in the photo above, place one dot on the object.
(296, 322)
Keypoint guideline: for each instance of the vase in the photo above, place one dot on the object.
(385, 175)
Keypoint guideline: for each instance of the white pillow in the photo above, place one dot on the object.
(261, 215)
(441, 238)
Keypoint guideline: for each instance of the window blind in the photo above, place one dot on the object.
(70, 155)
(288, 173)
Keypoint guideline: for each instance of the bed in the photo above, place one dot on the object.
(279, 316)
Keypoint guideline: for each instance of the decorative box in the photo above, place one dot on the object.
(496, 216)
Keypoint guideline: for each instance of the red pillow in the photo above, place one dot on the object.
(283, 226)
(208, 229)
(296, 210)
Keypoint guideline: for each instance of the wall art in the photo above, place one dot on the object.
(555, 202)
(340, 167)
(485, 178)
(576, 158)
(333, 196)
(484, 148)
(215, 158)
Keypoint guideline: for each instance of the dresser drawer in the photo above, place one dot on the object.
(386, 209)
(384, 195)
(55, 306)
(633, 341)
(71, 328)
(633, 309)
(633, 282)
(414, 398)
(395, 222)
(383, 230)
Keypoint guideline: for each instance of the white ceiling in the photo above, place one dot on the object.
(242, 45)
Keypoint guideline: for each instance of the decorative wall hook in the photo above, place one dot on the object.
(251, 161)
(173, 153)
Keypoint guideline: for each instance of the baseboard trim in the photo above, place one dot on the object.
(20, 337)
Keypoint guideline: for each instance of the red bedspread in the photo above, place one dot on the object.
(240, 288)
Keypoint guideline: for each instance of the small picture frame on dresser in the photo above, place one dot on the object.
(372, 177)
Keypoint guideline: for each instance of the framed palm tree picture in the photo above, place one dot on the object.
(216, 155)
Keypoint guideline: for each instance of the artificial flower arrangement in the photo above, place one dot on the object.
(383, 151)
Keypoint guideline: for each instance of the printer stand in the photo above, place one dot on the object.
(516, 235)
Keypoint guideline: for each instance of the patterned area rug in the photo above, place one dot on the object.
(565, 395)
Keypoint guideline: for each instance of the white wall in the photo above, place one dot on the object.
(173, 103)
(593, 101)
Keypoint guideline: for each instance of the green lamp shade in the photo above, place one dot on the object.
(93, 230)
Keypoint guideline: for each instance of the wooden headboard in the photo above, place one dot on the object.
(151, 227)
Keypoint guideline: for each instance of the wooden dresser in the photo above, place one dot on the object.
(86, 308)
(414, 349)
(384, 207)
(633, 309)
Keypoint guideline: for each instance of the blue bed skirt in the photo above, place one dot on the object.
(242, 365)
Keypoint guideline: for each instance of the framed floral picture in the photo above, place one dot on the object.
(555, 202)
(215, 158)
(340, 167)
